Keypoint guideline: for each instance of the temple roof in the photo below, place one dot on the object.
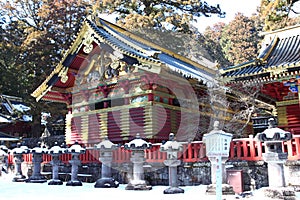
(135, 50)
(278, 59)
(13, 109)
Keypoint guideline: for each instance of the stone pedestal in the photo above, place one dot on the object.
(75, 162)
(19, 177)
(279, 193)
(173, 189)
(3, 154)
(137, 147)
(215, 166)
(75, 150)
(55, 164)
(106, 181)
(36, 175)
(275, 168)
(138, 182)
(18, 159)
(172, 148)
(55, 152)
(106, 148)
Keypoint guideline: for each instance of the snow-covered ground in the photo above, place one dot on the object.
(36, 191)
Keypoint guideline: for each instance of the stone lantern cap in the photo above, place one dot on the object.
(38, 149)
(2, 153)
(106, 144)
(56, 149)
(171, 145)
(138, 144)
(4, 148)
(20, 149)
(273, 133)
(76, 148)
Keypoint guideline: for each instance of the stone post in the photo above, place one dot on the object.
(137, 147)
(172, 148)
(214, 164)
(106, 148)
(75, 150)
(55, 152)
(37, 159)
(18, 159)
(217, 144)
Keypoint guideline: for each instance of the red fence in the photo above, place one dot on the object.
(240, 149)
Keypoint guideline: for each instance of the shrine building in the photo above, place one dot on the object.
(275, 72)
(117, 84)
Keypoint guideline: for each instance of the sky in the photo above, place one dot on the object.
(231, 7)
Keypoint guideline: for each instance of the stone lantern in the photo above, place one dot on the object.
(106, 148)
(217, 144)
(3, 158)
(137, 147)
(55, 152)
(274, 156)
(172, 148)
(37, 159)
(18, 159)
(75, 150)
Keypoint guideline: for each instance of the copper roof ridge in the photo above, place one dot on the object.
(157, 47)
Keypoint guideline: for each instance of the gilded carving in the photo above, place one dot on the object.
(63, 74)
(87, 41)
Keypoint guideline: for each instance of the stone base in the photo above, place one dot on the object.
(138, 185)
(74, 183)
(36, 179)
(106, 183)
(19, 178)
(226, 189)
(286, 193)
(55, 182)
(173, 190)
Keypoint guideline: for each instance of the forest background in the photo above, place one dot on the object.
(34, 34)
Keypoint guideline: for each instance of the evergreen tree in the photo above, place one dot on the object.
(240, 39)
(211, 39)
(275, 14)
(159, 13)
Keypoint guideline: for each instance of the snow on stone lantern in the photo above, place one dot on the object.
(18, 159)
(217, 144)
(55, 152)
(75, 150)
(172, 148)
(273, 137)
(137, 147)
(106, 148)
(37, 159)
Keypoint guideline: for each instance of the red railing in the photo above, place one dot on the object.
(240, 149)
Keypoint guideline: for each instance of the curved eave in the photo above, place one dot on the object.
(54, 75)
(237, 67)
(268, 50)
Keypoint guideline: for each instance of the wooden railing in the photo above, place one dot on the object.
(240, 149)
